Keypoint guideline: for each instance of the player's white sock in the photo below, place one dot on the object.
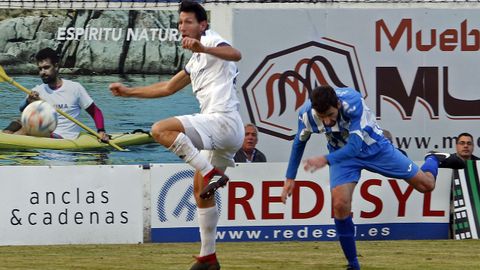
(183, 148)
(207, 220)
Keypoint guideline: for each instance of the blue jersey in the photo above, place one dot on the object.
(355, 134)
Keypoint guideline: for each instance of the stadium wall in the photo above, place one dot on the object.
(278, 35)
(415, 67)
(132, 204)
(250, 207)
(43, 205)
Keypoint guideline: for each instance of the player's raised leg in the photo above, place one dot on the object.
(446, 160)
(171, 134)
(424, 180)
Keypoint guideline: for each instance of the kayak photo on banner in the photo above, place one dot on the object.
(95, 48)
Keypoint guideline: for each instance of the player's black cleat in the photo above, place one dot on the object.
(216, 181)
(208, 262)
(446, 160)
(205, 266)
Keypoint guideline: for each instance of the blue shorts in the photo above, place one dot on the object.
(389, 162)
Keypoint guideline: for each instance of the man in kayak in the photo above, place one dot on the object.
(63, 94)
(217, 130)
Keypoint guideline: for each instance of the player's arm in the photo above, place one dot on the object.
(222, 50)
(225, 52)
(298, 148)
(160, 89)
(350, 150)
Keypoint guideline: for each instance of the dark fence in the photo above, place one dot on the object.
(163, 3)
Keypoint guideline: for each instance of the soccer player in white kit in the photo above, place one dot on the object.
(218, 129)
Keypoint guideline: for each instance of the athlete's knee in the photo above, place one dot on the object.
(159, 132)
(157, 129)
(341, 207)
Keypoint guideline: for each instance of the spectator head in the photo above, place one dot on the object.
(251, 138)
(464, 146)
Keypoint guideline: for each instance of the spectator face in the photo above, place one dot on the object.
(251, 139)
(464, 147)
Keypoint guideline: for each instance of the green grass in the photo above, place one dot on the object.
(448, 254)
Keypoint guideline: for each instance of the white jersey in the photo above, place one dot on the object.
(213, 79)
(71, 98)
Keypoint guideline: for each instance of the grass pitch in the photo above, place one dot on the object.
(445, 254)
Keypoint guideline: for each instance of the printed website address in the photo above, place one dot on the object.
(293, 233)
(427, 143)
(380, 231)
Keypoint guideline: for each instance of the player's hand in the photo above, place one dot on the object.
(104, 137)
(192, 44)
(314, 163)
(33, 96)
(119, 89)
(287, 189)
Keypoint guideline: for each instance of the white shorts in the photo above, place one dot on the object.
(221, 133)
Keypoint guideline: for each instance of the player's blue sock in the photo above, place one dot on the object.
(346, 236)
(431, 165)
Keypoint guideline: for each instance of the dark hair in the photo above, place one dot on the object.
(322, 98)
(464, 134)
(192, 6)
(47, 53)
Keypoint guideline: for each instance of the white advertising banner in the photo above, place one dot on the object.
(416, 68)
(250, 207)
(71, 205)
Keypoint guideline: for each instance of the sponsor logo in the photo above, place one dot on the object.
(175, 199)
(426, 89)
(464, 39)
(281, 83)
(430, 85)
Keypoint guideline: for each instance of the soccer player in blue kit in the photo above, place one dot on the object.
(355, 142)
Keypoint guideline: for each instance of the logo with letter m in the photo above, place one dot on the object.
(426, 89)
(282, 82)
